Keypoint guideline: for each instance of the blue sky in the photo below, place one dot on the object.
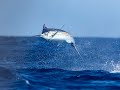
(82, 18)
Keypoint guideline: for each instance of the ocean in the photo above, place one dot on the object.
(32, 63)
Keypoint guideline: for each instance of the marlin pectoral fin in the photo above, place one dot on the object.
(53, 35)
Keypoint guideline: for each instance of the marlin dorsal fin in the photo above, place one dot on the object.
(44, 29)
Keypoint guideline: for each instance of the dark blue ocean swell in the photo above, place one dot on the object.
(33, 63)
(40, 79)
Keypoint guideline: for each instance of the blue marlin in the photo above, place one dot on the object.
(58, 34)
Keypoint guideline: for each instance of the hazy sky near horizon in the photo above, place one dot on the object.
(82, 18)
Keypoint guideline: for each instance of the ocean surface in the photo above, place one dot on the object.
(32, 63)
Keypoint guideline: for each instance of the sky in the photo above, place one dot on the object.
(82, 18)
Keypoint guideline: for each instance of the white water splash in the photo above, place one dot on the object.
(116, 67)
(112, 66)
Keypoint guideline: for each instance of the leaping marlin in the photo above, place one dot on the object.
(58, 34)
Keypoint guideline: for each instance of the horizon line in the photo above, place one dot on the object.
(73, 36)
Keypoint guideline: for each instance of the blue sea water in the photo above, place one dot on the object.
(32, 63)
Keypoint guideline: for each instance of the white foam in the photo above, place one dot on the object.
(27, 81)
